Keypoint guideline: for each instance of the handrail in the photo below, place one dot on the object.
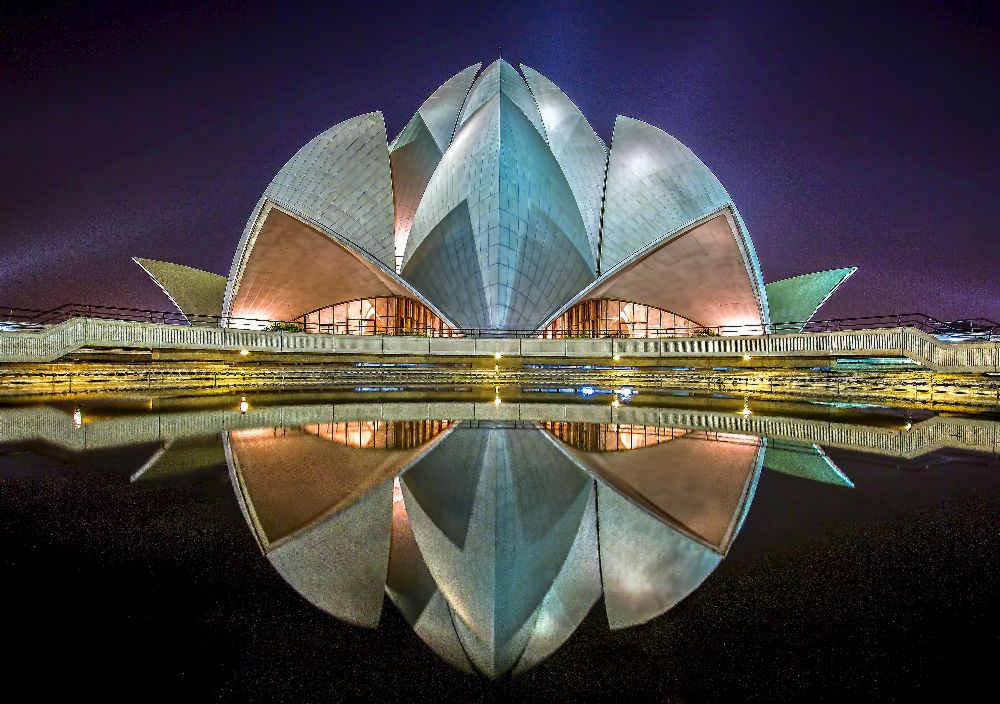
(50, 343)
(55, 427)
(28, 318)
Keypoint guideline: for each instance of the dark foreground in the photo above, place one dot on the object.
(157, 590)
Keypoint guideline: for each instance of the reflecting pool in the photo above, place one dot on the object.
(453, 540)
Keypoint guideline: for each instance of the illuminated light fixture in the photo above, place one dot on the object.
(497, 356)
(617, 358)
(616, 403)
(746, 408)
(244, 352)
(907, 426)
(77, 418)
(496, 398)
(747, 358)
(587, 390)
(244, 406)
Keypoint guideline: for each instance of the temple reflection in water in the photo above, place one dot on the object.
(495, 539)
(494, 529)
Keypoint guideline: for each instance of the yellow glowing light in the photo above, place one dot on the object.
(244, 406)
(497, 356)
(746, 408)
(244, 352)
(497, 401)
(77, 418)
(617, 358)
(907, 426)
(747, 358)
(616, 403)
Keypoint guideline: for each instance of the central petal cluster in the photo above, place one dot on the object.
(498, 240)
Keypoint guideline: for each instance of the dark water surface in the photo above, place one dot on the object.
(156, 588)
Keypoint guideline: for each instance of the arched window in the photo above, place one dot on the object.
(380, 315)
(608, 317)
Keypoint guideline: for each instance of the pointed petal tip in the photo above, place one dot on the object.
(849, 272)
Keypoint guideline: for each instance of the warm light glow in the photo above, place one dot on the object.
(907, 426)
(610, 437)
(616, 403)
(746, 408)
(497, 356)
(244, 406)
(379, 315)
(607, 317)
(249, 320)
(497, 401)
(77, 418)
(244, 352)
(618, 358)
(376, 434)
(747, 358)
(351, 433)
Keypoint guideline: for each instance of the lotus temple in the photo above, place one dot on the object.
(497, 208)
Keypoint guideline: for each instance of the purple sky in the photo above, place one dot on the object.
(864, 135)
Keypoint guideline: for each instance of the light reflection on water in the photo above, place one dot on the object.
(494, 529)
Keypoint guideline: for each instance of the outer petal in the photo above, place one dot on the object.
(411, 587)
(804, 460)
(194, 292)
(441, 110)
(658, 190)
(291, 268)
(702, 483)
(793, 302)
(415, 153)
(662, 533)
(581, 154)
(700, 273)
(310, 502)
(647, 566)
(339, 184)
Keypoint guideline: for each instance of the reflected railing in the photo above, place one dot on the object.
(79, 429)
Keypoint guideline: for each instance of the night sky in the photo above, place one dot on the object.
(863, 134)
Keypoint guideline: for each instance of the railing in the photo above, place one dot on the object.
(57, 428)
(966, 329)
(52, 342)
